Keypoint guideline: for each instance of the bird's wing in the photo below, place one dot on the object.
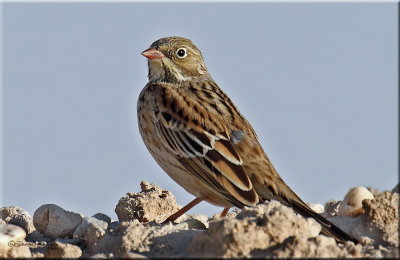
(203, 146)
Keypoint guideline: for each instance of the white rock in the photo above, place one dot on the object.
(93, 234)
(13, 232)
(317, 207)
(17, 216)
(53, 221)
(90, 230)
(82, 229)
(20, 252)
(11, 236)
(352, 203)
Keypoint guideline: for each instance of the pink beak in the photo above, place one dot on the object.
(152, 54)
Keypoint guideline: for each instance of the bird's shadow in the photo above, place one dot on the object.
(173, 244)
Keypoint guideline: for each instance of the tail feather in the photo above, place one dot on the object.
(328, 228)
(276, 188)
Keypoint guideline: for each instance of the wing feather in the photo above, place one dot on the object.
(226, 148)
(196, 137)
(233, 172)
(207, 154)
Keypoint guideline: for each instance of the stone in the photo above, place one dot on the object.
(150, 239)
(374, 191)
(317, 207)
(194, 223)
(151, 204)
(90, 230)
(382, 218)
(13, 232)
(352, 203)
(36, 236)
(266, 230)
(297, 247)
(53, 221)
(103, 217)
(257, 228)
(17, 216)
(331, 209)
(378, 225)
(87, 222)
(113, 225)
(37, 248)
(318, 247)
(12, 239)
(19, 252)
(123, 238)
(62, 250)
(230, 215)
(94, 233)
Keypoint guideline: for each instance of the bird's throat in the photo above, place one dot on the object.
(164, 70)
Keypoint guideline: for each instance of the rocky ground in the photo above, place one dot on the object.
(267, 230)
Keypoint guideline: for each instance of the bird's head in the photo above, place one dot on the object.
(174, 59)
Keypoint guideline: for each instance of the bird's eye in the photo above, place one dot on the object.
(181, 52)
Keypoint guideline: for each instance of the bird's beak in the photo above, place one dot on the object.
(152, 54)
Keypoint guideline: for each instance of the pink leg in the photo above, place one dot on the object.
(183, 210)
(224, 212)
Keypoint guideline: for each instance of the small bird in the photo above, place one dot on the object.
(201, 140)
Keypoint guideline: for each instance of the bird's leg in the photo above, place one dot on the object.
(183, 210)
(224, 212)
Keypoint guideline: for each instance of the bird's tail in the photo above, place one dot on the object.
(328, 228)
(303, 209)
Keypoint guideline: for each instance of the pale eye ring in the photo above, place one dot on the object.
(181, 53)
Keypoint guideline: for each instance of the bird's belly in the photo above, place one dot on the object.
(171, 165)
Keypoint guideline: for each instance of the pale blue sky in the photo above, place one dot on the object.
(318, 82)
